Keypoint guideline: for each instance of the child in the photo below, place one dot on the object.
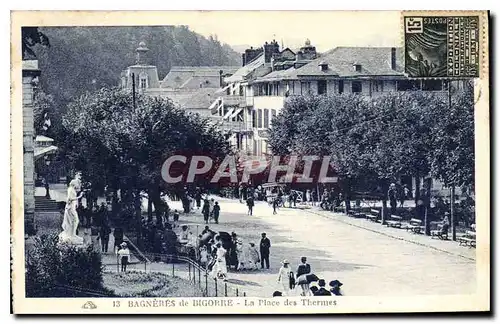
(216, 212)
(204, 256)
(124, 255)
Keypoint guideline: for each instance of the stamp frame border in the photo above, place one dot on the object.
(483, 37)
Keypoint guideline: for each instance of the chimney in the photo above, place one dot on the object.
(221, 82)
(243, 59)
(393, 58)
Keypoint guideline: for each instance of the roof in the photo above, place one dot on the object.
(191, 98)
(244, 71)
(192, 76)
(42, 138)
(374, 61)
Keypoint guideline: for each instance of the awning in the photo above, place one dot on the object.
(228, 113)
(42, 151)
(236, 113)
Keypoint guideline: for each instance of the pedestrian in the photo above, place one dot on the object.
(216, 212)
(176, 216)
(302, 271)
(104, 237)
(206, 210)
(392, 196)
(124, 255)
(240, 192)
(118, 236)
(253, 257)
(335, 287)
(265, 245)
(197, 196)
(285, 277)
(275, 205)
(203, 256)
(250, 204)
(322, 291)
(219, 270)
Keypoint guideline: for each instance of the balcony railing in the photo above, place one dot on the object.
(234, 100)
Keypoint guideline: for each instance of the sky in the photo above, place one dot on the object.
(325, 29)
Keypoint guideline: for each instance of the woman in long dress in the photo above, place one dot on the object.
(219, 270)
(70, 221)
(284, 275)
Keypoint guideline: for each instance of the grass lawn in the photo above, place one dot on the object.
(151, 284)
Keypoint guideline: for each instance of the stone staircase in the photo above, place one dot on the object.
(44, 204)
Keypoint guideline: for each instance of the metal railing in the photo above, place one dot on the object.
(185, 268)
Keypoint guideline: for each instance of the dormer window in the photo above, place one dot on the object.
(357, 67)
(143, 80)
(323, 66)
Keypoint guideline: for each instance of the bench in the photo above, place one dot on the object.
(355, 212)
(373, 215)
(469, 239)
(394, 221)
(441, 233)
(415, 226)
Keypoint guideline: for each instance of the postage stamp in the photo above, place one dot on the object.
(193, 168)
(442, 46)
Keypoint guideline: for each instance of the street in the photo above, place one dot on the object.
(366, 262)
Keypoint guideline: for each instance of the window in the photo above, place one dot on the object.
(143, 83)
(321, 87)
(254, 119)
(341, 86)
(259, 118)
(357, 87)
(378, 86)
(266, 118)
(305, 87)
(408, 85)
(432, 85)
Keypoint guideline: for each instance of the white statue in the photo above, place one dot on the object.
(70, 221)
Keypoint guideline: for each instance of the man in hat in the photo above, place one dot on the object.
(265, 245)
(124, 256)
(322, 290)
(284, 277)
(335, 287)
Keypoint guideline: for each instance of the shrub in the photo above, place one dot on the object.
(50, 266)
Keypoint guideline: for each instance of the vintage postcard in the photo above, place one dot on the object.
(251, 162)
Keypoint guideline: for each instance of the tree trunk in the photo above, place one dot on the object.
(383, 212)
(417, 188)
(427, 198)
(138, 217)
(158, 203)
(452, 214)
(150, 207)
(347, 197)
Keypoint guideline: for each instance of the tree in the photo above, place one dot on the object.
(30, 36)
(124, 147)
(373, 141)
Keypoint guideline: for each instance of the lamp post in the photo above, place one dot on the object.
(46, 178)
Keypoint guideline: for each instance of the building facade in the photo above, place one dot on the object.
(30, 83)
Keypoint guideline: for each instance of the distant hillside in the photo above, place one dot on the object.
(85, 58)
(240, 48)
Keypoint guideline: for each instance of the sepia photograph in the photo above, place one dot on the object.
(291, 162)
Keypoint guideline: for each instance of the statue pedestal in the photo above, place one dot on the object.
(71, 240)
